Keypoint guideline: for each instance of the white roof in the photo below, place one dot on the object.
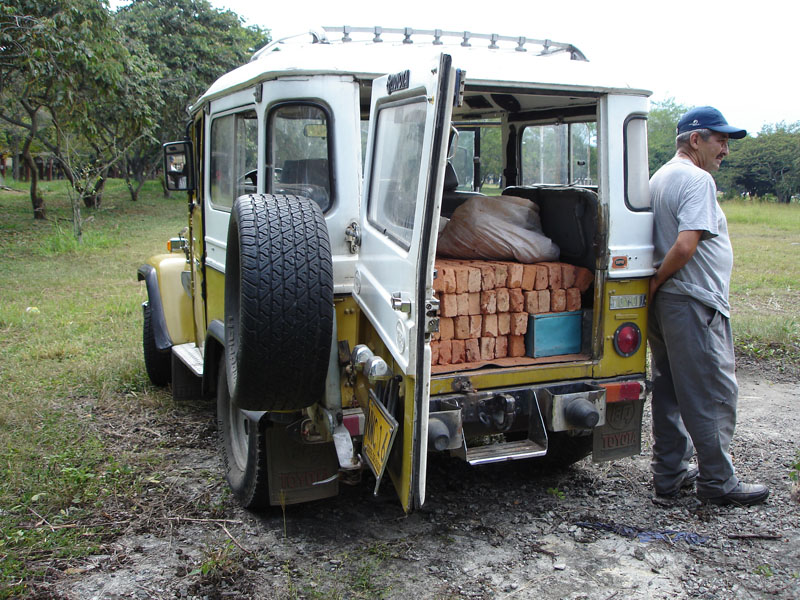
(504, 66)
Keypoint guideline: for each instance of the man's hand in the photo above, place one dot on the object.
(681, 252)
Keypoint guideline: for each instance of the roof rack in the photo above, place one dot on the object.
(548, 47)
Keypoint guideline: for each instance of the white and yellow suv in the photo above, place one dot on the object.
(308, 294)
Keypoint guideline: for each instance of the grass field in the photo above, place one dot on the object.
(70, 330)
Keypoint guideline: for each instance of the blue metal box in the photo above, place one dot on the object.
(550, 334)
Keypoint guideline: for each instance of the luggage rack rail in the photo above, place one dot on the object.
(548, 47)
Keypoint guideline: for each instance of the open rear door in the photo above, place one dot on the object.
(406, 153)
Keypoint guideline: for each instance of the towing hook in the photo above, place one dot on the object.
(498, 412)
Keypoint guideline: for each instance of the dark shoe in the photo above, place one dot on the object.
(691, 476)
(688, 481)
(744, 494)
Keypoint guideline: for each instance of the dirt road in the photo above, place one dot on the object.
(590, 532)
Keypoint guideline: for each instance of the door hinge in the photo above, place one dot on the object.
(352, 236)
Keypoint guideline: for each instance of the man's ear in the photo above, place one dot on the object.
(694, 139)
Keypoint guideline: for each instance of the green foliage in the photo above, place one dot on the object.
(661, 124)
(794, 473)
(192, 43)
(556, 493)
(766, 164)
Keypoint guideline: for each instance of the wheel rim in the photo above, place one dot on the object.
(240, 434)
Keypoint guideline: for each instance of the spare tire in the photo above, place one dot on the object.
(278, 302)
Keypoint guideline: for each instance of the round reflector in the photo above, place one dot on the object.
(627, 339)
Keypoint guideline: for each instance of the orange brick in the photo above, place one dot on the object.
(541, 278)
(461, 328)
(583, 279)
(501, 346)
(474, 300)
(489, 302)
(502, 299)
(519, 323)
(528, 277)
(500, 274)
(573, 299)
(445, 277)
(475, 325)
(567, 276)
(487, 348)
(445, 352)
(514, 275)
(488, 280)
(462, 278)
(504, 323)
(532, 302)
(544, 300)
(558, 300)
(516, 345)
(449, 305)
(456, 352)
(446, 328)
(516, 300)
(434, 353)
(463, 303)
(472, 349)
(473, 279)
(436, 336)
(553, 275)
(489, 326)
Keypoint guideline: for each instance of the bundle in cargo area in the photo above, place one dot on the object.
(497, 228)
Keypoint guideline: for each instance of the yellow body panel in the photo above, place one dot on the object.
(176, 302)
(611, 363)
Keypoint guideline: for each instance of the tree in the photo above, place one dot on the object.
(69, 74)
(193, 44)
(661, 131)
(766, 164)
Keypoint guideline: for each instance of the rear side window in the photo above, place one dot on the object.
(562, 154)
(298, 152)
(637, 174)
(234, 157)
(397, 161)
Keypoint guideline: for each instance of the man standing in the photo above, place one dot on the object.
(694, 384)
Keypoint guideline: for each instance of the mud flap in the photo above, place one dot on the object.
(621, 436)
(299, 472)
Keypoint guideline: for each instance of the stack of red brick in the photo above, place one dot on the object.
(484, 305)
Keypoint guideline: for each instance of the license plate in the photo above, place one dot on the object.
(379, 432)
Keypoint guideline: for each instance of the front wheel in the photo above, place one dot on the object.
(243, 447)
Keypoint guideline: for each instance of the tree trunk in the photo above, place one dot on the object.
(39, 211)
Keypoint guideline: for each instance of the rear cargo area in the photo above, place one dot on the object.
(507, 313)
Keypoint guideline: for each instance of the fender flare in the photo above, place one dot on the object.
(214, 349)
(148, 274)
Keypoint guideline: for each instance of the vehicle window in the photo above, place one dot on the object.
(545, 154)
(298, 152)
(234, 156)
(637, 175)
(583, 153)
(484, 142)
(396, 166)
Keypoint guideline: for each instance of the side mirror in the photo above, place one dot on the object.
(178, 166)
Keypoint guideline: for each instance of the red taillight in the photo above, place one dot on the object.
(627, 339)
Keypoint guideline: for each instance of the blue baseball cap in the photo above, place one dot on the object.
(708, 117)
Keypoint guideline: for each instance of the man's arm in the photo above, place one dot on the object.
(681, 252)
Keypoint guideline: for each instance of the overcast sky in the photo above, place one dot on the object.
(739, 57)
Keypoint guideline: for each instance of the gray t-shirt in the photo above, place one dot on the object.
(684, 198)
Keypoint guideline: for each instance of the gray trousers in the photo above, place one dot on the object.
(694, 394)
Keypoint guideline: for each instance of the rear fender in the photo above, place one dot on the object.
(170, 305)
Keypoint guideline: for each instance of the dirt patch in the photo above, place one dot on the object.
(589, 532)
